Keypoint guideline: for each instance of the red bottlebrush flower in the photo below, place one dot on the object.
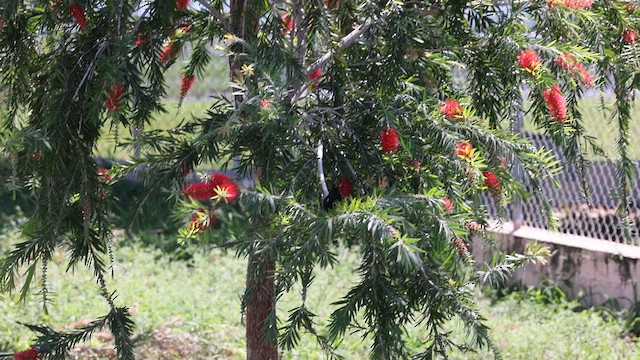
(168, 53)
(114, 97)
(30, 354)
(332, 4)
(389, 141)
(503, 162)
(315, 78)
(413, 164)
(452, 109)
(223, 187)
(199, 222)
(78, 15)
(555, 103)
(219, 178)
(199, 191)
(187, 83)
(529, 61)
(631, 7)
(37, 155)
(447, 204)
(265, 104)
(577, 70)
(583, 75)
(464, 150)
(53, 5)
(492, 182)
(316, 74)
(142, 40)
(573, 4)
(104, 174)
(630, 36)
(182, 5)
(184, 26)
(287, 23)
(461, 247)
(345, 187)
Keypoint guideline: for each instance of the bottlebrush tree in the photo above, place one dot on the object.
(377, 125)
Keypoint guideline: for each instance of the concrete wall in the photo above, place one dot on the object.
(599, 270)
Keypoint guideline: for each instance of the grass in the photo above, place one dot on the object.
(110, 145)
(192, 310)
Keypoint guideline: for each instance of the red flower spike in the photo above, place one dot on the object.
(78, 15)
(447, 205)
(492, 182)
(452, 110)
(503, 162)
(529, 61)
(570, 64)
(265, 104)
(461, 247)
(104, 174)
(114, 97)
(315, 79)
(223, 187)
(142, 40)
(30, 354)
(555, 103)
(167, 53)
(287, 23)
(187, 83)
(332, 4)
(630, 36)
(631, 7)
(464, 150)
(584, 76)
(182, 5)
(37, 155)
(345, 187)
(198, 224)
(389, 141)
(573, 4)
(199, 191)
(184, 26)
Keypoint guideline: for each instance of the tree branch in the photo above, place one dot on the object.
(323, 182)
(344, 43)
(217, 14)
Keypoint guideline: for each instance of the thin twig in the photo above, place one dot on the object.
(91, 68)
(216, 14)
(323, 182)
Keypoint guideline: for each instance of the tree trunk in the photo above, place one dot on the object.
(260, 305)
(261, 302)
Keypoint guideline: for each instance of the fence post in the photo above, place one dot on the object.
(518, 172)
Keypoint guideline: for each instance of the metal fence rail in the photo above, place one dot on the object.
(600, 220)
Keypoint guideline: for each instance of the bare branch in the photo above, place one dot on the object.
(344, 43)
(217, 14)
(323, 182)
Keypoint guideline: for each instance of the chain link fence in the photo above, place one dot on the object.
(593, 214)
